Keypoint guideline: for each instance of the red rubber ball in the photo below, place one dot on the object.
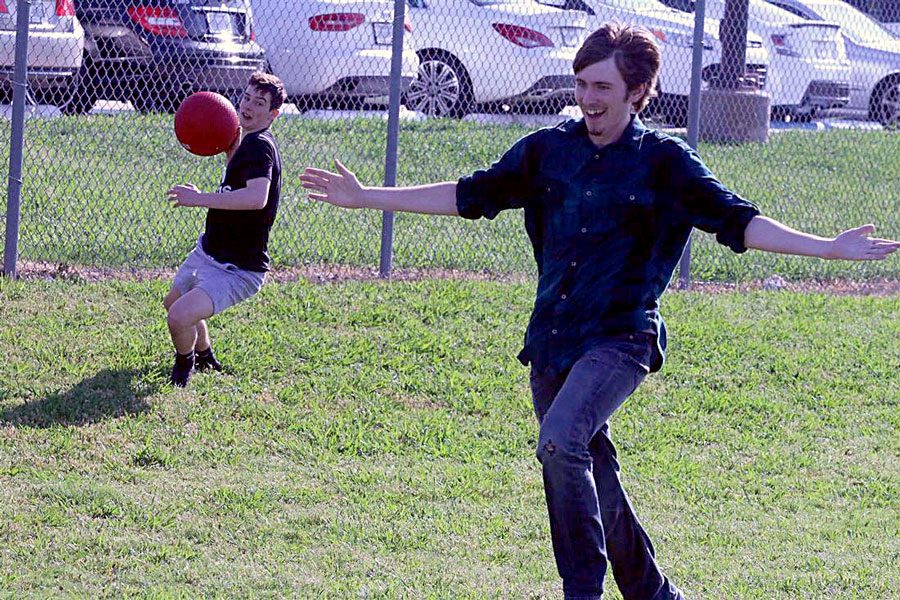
(206, 124)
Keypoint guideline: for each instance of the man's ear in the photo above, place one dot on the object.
(638, 92)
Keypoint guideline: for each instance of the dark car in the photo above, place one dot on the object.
(153, 53)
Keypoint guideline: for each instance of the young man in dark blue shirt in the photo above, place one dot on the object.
(230, 261)
(608, 206)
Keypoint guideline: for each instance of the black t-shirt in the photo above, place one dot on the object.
(241, 237)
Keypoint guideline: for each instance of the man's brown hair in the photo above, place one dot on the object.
(634, 51)
(270, 84)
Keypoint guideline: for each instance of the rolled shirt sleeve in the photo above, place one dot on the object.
(505, 184)
(708, 204)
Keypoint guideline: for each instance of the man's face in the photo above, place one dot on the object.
(601, 94)
(253, 110)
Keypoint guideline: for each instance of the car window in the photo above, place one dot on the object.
(856, 24)
(793, 9)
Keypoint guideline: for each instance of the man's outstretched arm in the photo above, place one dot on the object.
(343, 189)
(763, 233)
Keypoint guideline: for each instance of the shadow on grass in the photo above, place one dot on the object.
(108, 394)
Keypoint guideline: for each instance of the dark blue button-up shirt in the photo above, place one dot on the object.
(607, 225)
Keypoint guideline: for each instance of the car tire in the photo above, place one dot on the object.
(667, 108)
(885, 104)
(442, 87)
(79, 97)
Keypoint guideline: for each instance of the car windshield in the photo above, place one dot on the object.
(856, 24)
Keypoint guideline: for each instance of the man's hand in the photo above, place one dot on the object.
(855, 244)
(341, 188)
(186, 194)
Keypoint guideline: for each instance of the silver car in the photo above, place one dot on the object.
(55, 46)
(874, 54)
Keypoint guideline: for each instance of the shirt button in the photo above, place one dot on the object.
(596, 156)
(553, 331)
(631, 197)
(563, 296)
(574, 264)
(584, 230)
(589, 193)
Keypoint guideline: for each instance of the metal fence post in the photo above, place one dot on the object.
(16, 141)
(693, 126)
(393, 133)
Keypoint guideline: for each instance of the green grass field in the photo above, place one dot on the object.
(375, 440)
(94, 191)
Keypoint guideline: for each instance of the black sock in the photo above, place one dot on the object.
(207, 360)
(184, 359)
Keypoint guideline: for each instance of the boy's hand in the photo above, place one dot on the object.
(341, 188)
(187, 194)
(855, 244)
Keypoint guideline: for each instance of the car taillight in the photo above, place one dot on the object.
(158, 20)
(3, 9)
(336, 21)
(782, 43)
(522, 36)
(65, 8)
(407, 24)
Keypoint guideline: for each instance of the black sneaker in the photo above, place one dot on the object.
(182, 369)
(206, 360)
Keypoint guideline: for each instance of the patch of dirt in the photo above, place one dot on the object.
(324, 274)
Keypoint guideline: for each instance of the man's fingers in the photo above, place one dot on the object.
(310, 171)
(863, 229)
(342, 169)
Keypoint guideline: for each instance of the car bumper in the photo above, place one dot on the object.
(790, 81)
(355, 74)
(549, 87)
(366, 86)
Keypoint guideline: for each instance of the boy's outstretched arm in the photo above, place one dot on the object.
(343, 189)
(767, 234)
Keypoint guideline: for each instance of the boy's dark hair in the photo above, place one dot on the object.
(634, 51)
(266, 82)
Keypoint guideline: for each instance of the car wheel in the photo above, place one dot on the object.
(442, 87)
(667, 108)
(885, 106)
(79, 97)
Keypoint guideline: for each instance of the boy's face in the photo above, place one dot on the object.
(605, 101)
(253, 110)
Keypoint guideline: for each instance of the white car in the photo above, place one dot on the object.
(874, 55)
(675, 32)
(55, 46)
(481, 53)
(333, 53)
(808, 66)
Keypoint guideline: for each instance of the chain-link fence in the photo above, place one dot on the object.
(798, 106)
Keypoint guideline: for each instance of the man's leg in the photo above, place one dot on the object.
(184, 314)
(594, 388)
(628, 547)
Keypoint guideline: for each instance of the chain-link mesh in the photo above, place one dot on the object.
(797, 113)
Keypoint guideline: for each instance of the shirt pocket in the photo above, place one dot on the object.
(633, 211)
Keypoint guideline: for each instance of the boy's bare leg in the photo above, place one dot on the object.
(203, 342)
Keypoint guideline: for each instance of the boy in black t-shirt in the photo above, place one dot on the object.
(230, 260)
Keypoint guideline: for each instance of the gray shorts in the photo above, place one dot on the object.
(224, 283)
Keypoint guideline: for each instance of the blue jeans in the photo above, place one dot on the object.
(591, 517)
